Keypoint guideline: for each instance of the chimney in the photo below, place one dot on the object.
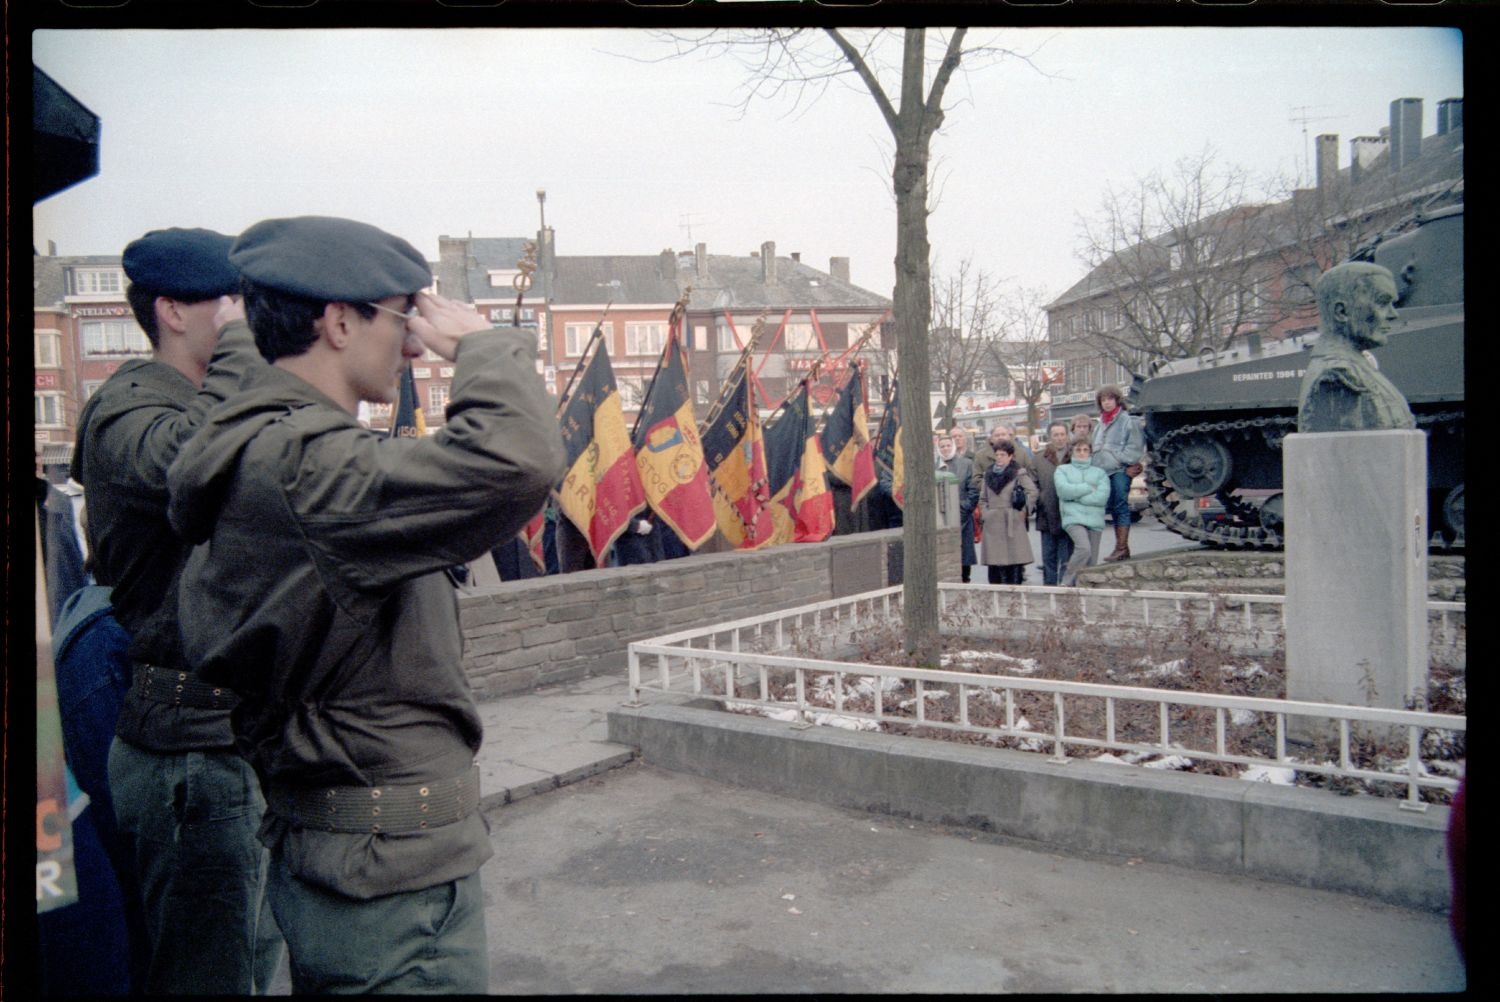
(796, 257)
(1327, 161)
(1362, 153)
(1406, 132)
(838, 267)
(546, 254)
(667, 264)
(768, 262)
(1450, 115)
(700, 259)
(52, 248)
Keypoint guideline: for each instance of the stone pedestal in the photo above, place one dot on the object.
(1356, 566)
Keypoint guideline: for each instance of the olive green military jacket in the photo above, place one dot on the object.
(318, 594)
(128, 434)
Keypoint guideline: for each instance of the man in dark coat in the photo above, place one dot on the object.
(320, 595)
(1057, 547)
(962, 468)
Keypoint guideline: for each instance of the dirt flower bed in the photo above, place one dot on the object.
(1197, 658)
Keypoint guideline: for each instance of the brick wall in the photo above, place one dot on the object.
(522, 634)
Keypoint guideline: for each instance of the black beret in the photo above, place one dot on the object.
(329, 259)
(190, 265)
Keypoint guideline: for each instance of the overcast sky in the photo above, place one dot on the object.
(428, 132)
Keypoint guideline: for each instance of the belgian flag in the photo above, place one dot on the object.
(602, 490)
(801, 503)
(669, 454)
(532, 536)
(846, 438)
(736, 460)
(408, 421)
(888, 453)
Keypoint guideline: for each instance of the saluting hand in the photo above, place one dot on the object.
(440, 322)
(230, 309)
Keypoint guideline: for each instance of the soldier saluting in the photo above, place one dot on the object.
(185, 800)
(319, 595)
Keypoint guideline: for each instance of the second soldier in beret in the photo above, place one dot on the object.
(319, 595)
(187, 804)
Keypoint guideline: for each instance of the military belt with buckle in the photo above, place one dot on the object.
(388, 809)
(181, 688)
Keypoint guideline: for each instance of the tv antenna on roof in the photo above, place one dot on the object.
(1300, 116)
(687, 224)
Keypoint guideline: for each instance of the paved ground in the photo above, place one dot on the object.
(644, 881)
(630, 879)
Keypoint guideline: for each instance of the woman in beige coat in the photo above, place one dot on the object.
(1006, 548)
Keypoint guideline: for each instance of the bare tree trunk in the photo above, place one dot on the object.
(913, 309)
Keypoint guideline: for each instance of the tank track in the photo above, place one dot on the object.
(1250, 535)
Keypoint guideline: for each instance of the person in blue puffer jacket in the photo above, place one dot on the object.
(1118, 445)
(1082, 493)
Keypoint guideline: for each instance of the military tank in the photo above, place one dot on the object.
(1214, 424)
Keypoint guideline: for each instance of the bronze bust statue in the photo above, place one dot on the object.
(1342, 389)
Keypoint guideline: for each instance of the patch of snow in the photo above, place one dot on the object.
(1242, 718)
(847, 723)
(1252, 670)
(926, 695)
(1169, 762)
(1163, 670)
(1008, 664)
(1110, 759)
(865, 686)
(1270, 774)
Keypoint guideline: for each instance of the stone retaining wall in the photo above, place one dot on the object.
(522, 634)
(1199, 569)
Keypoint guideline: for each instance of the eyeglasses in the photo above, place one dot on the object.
(409, 314)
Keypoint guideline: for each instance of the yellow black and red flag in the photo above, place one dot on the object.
(669, 453)
(533, 535)
(601, 490)
(889, 456)
(408, 421)
(846, 438)
(736, 460)
(801, 503)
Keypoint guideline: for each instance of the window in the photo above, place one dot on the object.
(703, 391)
(49, 410)
(504, 279)
(431, 356)
(645, 339)
(632, 392)
(114, 337)
(577, 336)
(48, 349)
(727, 340)
(800, 337)
(98, 281)
(437, 399)
(91, 386)
(700, 337)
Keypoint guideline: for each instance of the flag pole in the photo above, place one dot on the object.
(597, 335)
(745, 353)
(674, 328)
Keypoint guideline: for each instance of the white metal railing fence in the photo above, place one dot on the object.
(739, 663)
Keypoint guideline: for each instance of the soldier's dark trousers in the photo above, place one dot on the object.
(425, 942)
(191, 819)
